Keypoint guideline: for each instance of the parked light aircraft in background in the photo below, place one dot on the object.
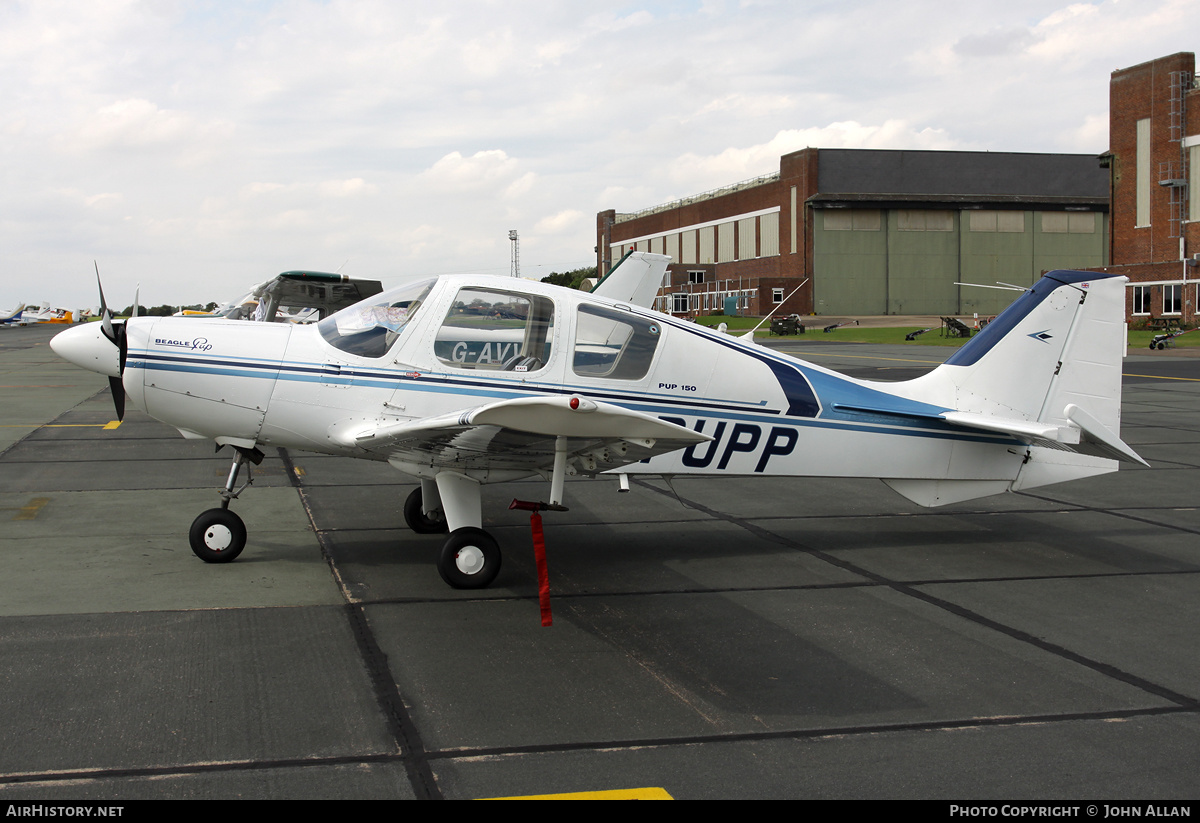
(13, 318)
(295, 297)
(27, 315)
(463, 380)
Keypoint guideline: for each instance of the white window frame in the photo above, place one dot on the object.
(1142, 295)
(1175, 290)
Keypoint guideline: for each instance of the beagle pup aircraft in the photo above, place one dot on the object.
(463, 380)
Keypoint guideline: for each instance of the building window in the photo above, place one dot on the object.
(687, 243)
(924, 220)
(768, 241)
(1143, 173)
(1173, 299)
(726, 252)
(776, 295)
(1194, 182)
(985, 220)
(679, 302)
(851, 220)
(695, 276)
(747, 239)
(1068, 222)
(1141, 299)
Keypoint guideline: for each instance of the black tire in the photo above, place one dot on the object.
(1152, 345)
(420, 522)
(217, 536)
(469, 559)
(1162, 346)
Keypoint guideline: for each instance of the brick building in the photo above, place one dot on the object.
(1154, 167)
(872, 232)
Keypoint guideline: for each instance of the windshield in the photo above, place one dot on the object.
(369, 328)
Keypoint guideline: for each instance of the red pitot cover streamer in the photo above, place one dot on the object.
(539, 553)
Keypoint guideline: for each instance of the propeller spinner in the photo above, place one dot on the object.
(100, 347)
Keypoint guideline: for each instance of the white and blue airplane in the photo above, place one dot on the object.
(459, 380)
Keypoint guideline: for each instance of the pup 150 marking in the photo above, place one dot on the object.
(592, 385)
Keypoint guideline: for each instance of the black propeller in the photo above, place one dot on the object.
(116, 335)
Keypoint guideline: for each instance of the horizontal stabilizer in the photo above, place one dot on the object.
(1087, 430)
(1029, 432)
(1101, 436)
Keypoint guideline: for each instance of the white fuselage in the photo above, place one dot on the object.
(285, 385)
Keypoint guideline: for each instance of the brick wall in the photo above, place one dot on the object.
(1137, 93)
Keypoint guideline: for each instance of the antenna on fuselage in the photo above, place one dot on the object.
(750, 334)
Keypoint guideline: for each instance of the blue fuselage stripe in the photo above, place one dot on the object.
(647, 403)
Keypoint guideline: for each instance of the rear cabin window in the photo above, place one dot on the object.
(496, 331)
(613, 344)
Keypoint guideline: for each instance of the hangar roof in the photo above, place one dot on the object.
(880, 175)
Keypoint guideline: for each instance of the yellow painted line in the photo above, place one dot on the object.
(111, 424)
(614, 794)
(1161, 377)
(30, 510)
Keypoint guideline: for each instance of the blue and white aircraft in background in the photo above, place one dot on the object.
(459, 380)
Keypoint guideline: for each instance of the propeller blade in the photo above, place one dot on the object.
(105, 314)
(116, 334)
(117, 387)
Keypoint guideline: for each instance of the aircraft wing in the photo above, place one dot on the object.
(520, 434)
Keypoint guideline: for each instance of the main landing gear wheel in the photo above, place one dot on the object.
(217, 536)
(470, 559)
(418, 521)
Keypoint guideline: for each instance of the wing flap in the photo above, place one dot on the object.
(520, 434)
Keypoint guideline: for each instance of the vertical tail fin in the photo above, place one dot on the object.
(1046, 371)
(1061, 342)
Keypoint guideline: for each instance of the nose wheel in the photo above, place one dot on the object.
(217, 536)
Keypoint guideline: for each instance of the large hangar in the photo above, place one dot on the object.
(873, 231)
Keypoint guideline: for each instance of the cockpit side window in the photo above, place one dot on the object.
(497, 331)
(613, 344)
(369, 328)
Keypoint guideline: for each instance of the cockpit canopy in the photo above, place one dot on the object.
(368, 329)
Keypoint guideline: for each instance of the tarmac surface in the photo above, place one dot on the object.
(754, 638)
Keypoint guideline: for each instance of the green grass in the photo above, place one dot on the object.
(857, 334)
(847, 334)
(1141, 340)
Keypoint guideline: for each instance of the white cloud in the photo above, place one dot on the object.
(735, 164)
(484, 169)
(221, 143)
(564, 221)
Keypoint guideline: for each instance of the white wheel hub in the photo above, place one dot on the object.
(469, 560)
(218, 537)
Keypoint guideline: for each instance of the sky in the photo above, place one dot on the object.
(198, 147)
